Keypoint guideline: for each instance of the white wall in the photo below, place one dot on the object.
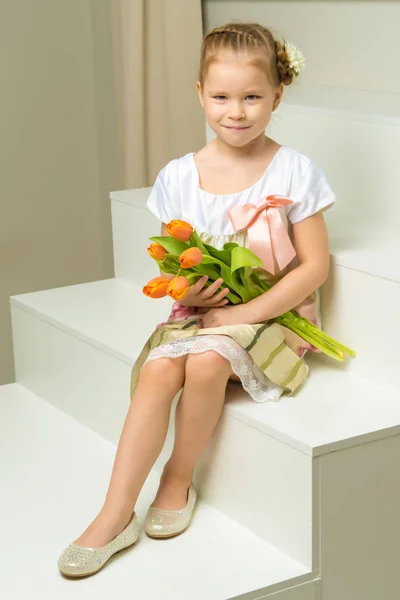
(351, 46)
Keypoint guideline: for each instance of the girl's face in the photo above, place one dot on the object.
(238, 99)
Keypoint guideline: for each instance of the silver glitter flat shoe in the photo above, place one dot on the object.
(162, 523)
(78, 561)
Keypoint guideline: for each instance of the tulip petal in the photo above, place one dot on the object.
(157, 287)
(180, 230)
(190, 258)
(178, 287)
(157, 252)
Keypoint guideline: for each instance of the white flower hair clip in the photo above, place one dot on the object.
(295, 57)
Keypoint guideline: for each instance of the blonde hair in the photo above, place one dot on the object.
(251, 37)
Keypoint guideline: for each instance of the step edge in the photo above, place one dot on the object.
(120, 197)
(338, 261)
(335, 113)
(238, 415)
(275, 588)
(317, 450)
(58, 324)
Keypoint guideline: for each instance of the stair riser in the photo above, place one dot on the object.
(349, 150)
(132, 228)
(362, 311)
(82, 381)
(272, 498)
(93, 387)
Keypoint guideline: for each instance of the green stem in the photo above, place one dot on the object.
(315, 336)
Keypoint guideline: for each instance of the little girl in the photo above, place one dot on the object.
(206, 342)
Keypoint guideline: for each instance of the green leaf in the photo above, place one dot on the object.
(170, 262)
(229, 246)
(196, 242)
(208, 268)
(231, 278)
(172, 245)
(264, 285)
(245, 273)
(194, 277)
(241, 287)
(165, 268)
(222, 255)
(222, 269)
(243, 257)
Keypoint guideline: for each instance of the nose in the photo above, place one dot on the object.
(236, 111)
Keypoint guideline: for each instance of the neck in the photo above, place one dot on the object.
(254, 148)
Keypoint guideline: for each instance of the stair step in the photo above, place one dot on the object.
(55, 474)
(75, 347)
(336, 409)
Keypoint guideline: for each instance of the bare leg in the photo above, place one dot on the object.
(197, 414)
(140, 444)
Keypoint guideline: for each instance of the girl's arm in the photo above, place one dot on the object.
(312, 248)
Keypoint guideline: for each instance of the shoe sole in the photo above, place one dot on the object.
(164, 537)
(167, 535)
(81, 575)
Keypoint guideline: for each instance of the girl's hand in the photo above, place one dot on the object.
(228, 315)
(205, 297)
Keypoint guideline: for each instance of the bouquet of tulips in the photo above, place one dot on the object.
(184, 255)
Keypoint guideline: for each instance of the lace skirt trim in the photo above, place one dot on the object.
(253, 380)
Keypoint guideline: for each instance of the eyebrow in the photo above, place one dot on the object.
(221, 93)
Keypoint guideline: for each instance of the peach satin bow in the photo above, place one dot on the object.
(267, 233)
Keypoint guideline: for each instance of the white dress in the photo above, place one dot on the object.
(176, 194)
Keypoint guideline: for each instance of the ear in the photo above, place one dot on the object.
(200, 93)
(278, 96)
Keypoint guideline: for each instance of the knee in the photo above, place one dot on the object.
(166, 371)
(207, 366)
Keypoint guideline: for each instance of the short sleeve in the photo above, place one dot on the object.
(310, 192)
(164, 198)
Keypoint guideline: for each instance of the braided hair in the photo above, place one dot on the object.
(251, 37)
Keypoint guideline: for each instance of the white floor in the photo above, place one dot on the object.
(54, 476)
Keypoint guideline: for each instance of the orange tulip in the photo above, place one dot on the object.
(180, 230)
(178, 287)
(190, 258)
(157, 252)
(157, 287)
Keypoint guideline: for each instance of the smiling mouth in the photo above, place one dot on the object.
(233, 127)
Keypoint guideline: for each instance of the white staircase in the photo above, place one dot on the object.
(299, 499)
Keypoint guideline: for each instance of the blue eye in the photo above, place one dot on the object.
(253, 96)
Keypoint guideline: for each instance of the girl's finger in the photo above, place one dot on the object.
(210, 305)
(199, 285)
(220, 296)
(210, 291)
(222, 303)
